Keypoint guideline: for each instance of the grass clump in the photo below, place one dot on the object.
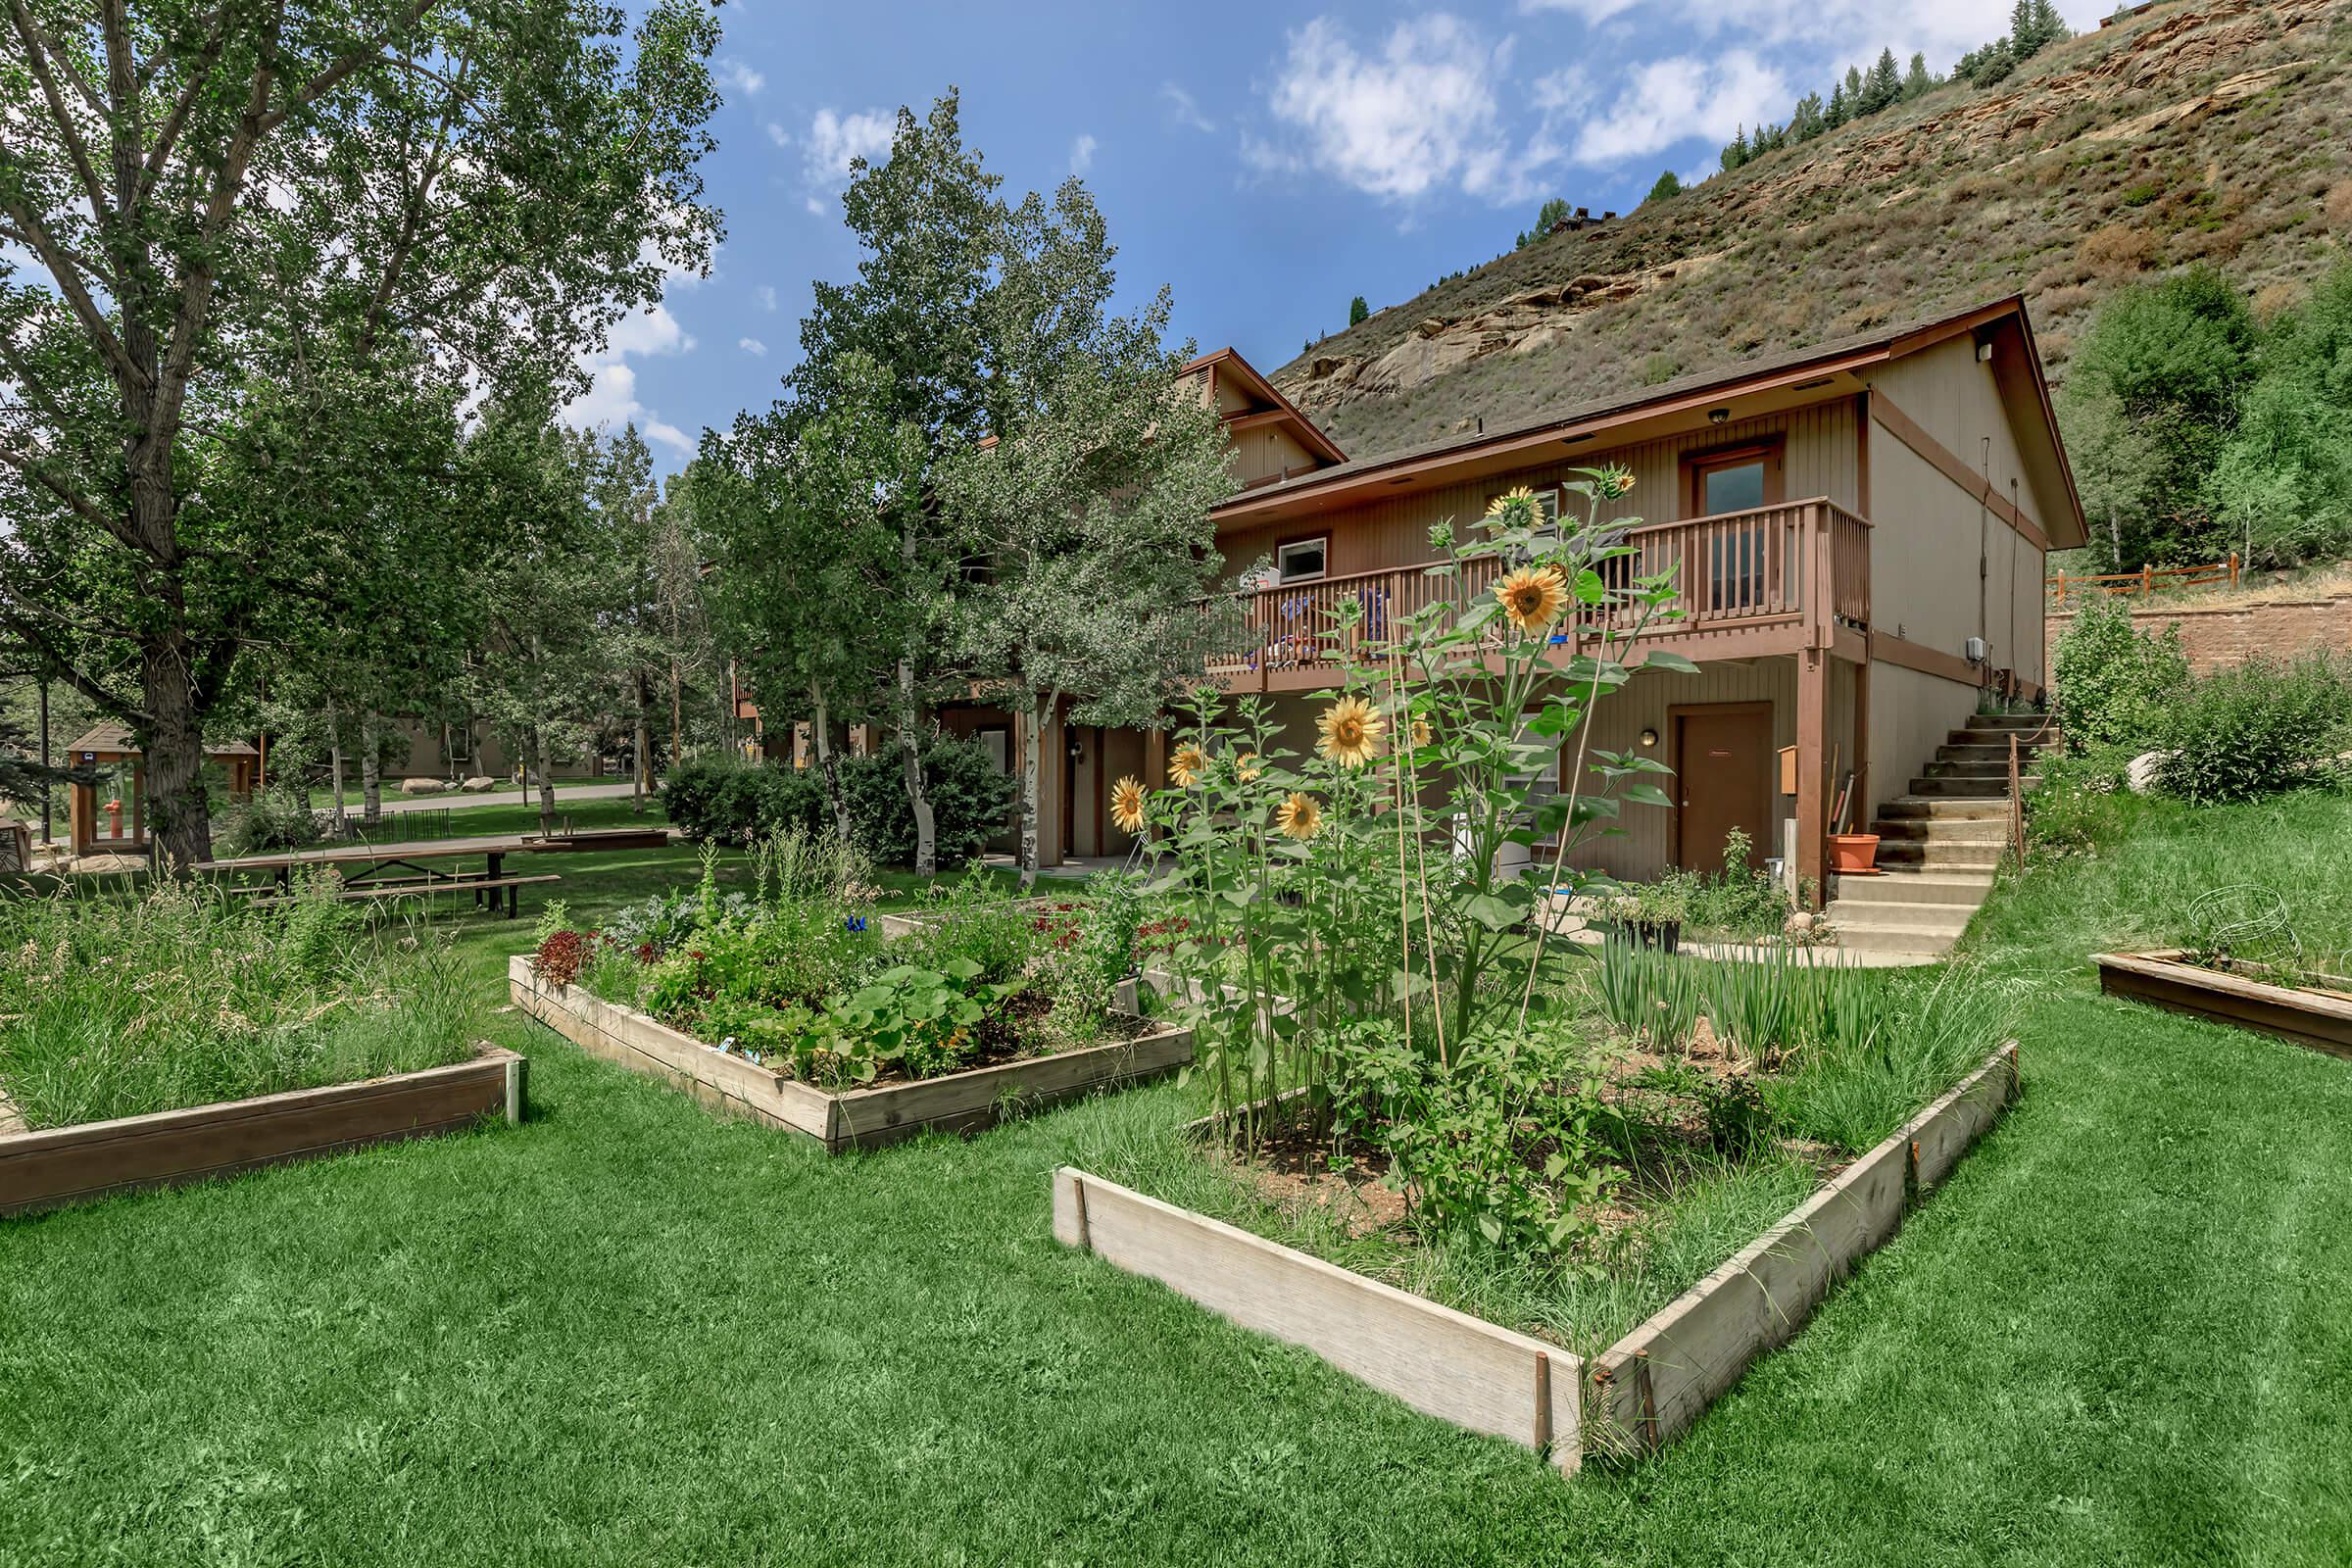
(113, 1006)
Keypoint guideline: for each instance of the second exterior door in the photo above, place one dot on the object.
(1723, 778)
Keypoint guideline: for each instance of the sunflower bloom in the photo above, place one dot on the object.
(1531, 597)
(1187, 766)
(1421, 733)
(1509, 500)
(1245, 766)
(1616, 483)
(1127, 805)
(1351, 729)
(1298, 817)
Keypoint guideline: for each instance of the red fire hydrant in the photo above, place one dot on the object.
(114, 819)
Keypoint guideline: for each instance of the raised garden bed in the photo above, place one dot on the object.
(2306, 1015)
(858, 1118)
(57, 1166)
(1642, 1391)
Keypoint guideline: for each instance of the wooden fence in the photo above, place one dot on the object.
(2148, 579)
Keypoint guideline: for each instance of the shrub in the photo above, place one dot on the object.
(969, 802)
(725, 798)
(2114, 682)
(2260, 728)
(270, 819)
(2080, 801)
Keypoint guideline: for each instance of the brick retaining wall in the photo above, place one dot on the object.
(2217, 638)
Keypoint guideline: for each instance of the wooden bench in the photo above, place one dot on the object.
(423, 887)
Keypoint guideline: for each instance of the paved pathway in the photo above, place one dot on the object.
(504, 795)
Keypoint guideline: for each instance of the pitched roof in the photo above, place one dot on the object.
(1756, 374)
(1310, 436)
(106, 736)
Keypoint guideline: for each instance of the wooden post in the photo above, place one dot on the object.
(1862, 801)
(2061, 587)
(2233, 569)
(1812, 768)
(2148, 579)
(2017, 807)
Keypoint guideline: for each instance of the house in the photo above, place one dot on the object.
(1859, 527)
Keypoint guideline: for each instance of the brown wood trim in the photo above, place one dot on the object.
(1274, 549)
(1905, 654)
(1910, 433)
(1771, 450)
(1862, 452)
(1676, 712)
(2302, 1014)
(1813, 783)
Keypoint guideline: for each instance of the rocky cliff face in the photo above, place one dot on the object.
(2204, 130)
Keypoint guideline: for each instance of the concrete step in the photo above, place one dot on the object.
(1940, 830)
(1936, 856)
(1903, 886)
(1877, 937)
(1972, 789)
(1941, 809)
(1996, 755)
(2022, 723)
(1970, 767)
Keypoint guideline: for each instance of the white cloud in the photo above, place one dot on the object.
(1419, 114)
(610, 400)
(752, 346)
(766, 295)
(1662, 102)
(740, 76)
(1185, 108)
(1082, 154)
(833, 142)
(1830, 32)
(778, 134)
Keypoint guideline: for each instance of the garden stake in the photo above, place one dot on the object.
(1911, 1178)
(1650, 1398)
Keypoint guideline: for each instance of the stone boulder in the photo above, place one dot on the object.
(421, 786)
(480, 784)
(2139, 774)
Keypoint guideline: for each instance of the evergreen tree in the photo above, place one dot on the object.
(1807, 121)
(1884, 85)
(1838, 112)
(1854, 93)
(2025, 35)
(2048, 27)
(1735, 153)
(1668, 185)
(1916, 80)
(1358, 309)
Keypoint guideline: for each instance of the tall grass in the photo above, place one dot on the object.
(120, 1005)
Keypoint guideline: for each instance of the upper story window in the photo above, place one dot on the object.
(1731, 484)
(1302, 560)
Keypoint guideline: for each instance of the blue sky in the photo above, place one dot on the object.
(1265, 160)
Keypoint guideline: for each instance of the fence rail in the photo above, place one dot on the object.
(1735, 572)
(2148, 579)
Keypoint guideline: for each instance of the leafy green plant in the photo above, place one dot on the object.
(2115, 684)
(971, 802)
(2260, 727)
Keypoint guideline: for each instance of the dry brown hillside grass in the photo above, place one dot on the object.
(2204, 130)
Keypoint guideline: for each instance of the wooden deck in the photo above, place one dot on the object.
(1773, 580)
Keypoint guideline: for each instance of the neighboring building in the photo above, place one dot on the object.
(429, 749)
(1860, 527)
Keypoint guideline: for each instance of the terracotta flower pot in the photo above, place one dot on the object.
(1854, 854)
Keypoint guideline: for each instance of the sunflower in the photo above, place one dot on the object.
(1421, 733)
(1245, 766)
(1616, 483)
(1298, 817)
(1187, 766)
(1531, 597)
(1510, 501)
(1351, 729)
(1127, 805)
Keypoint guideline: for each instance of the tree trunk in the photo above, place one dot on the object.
(180, 819)
(1032, 740)
(334, 761)
(822, 727)
(643, 782)
(926, 823)
(372, 769)
(536, 761)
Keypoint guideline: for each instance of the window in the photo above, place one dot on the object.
(1734, 487)
(1302, 560)
(1733, 567)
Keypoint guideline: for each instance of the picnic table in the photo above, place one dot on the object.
(420, 868)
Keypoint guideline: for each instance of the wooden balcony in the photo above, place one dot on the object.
(1771, 581)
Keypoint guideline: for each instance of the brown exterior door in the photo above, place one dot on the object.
(1723, 773)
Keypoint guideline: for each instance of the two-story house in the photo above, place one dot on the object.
(1859, 530)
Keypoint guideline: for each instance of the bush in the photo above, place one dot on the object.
(969, 802)
(273, 820)
(2260, 728)
(2115, 683)
(725, 798)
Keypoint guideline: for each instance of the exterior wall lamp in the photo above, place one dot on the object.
(1650, 738)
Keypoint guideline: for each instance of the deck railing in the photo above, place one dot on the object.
(1735, 572)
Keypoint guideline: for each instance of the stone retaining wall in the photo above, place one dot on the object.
(2217, 638)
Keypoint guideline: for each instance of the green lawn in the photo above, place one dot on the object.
(630, 1333)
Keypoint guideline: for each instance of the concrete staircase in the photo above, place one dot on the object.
(1938, 845)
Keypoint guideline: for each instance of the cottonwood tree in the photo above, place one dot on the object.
(797, 511)
(1085, 523)
(904, 345)
(412, 191)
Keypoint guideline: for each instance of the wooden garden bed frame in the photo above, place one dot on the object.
(57, 1166)
(1638, 1395)
(2301, 1014)
(858, 1118)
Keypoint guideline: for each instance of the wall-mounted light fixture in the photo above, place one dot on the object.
(1650, 738)
(1718, 415)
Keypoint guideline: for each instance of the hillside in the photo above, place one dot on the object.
(2203, 130)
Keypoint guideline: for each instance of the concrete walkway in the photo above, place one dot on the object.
(504, 795)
